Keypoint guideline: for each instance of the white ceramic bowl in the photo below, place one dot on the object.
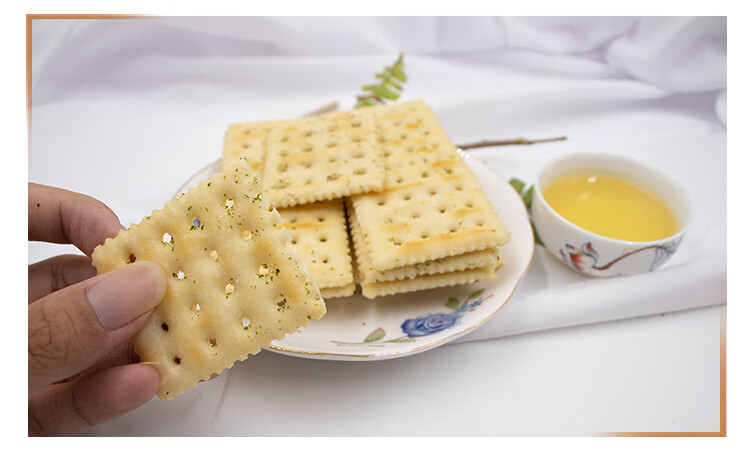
(600, 256)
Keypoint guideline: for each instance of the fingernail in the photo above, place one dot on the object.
(160, 368)
(123, 295)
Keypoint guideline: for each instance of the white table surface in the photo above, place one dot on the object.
(649, 374)
(131, 142)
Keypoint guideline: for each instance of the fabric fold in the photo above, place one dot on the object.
(686, 286)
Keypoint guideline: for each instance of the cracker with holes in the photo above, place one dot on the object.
(370, 275)
(322, 158)
(428, 281)
(431, 207)
(233, 284)
(246, 140)
(320, 241)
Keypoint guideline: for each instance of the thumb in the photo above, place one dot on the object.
(72, 328)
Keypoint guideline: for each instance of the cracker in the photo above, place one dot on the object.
(432, 207)
(338, 292)
(320, 241)
(246, 140)
(233, 285)
(460, 262)
(323, 157)
(429, 281)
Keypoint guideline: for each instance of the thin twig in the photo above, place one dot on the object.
(324, 109)
(500, 143)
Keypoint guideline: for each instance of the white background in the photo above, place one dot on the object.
(126, 110)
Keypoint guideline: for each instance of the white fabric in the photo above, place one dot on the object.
(126, 110)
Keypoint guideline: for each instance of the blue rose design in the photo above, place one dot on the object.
(429, 324)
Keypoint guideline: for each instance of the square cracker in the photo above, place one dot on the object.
(429, 281)
(460, 262)
(322, 158)
(246, 140)
(338, 292)
(432, 207)
(320, 241)
(233, 286)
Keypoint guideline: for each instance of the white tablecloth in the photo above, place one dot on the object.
(126, 110)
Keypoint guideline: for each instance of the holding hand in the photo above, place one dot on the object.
(82, 367)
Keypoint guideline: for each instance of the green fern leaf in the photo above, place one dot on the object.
(527, 196)
(388, 88)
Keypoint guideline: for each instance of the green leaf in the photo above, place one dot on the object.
(452, 303)
(528, 196)
(476, 294)
(384, 92)
(376, 335)
(402, 340)
(518, 185)
(364, 102)
(395, 84)
(388, 88)
(397, 69)
(399, 74)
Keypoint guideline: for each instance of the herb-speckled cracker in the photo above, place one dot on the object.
(319, 239)
(322, 158)
(432, 207)
(233, 285)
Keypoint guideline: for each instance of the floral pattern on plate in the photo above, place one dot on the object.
(427, 324)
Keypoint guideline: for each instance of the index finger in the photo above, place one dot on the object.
(62, 216)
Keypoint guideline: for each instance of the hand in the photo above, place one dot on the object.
(82, 367)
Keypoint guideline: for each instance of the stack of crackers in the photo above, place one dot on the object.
(416, 216)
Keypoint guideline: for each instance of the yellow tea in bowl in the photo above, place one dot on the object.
(611, 207)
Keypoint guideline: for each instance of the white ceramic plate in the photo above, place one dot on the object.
(359, 329)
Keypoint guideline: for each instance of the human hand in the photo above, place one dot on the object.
(82, 366)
